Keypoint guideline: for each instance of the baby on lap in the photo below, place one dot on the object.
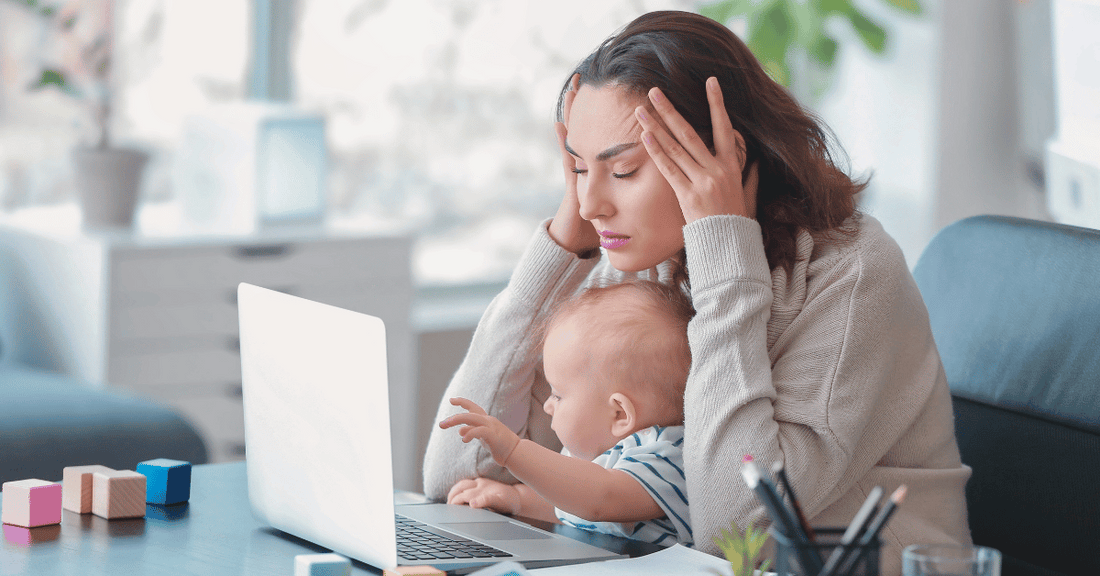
(617, 359)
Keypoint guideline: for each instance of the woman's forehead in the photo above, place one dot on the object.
(601, 118)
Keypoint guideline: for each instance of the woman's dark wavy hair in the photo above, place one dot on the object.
(800, 186)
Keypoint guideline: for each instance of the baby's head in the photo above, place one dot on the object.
(617, 360)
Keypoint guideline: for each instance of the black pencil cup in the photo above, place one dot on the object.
(858, 560)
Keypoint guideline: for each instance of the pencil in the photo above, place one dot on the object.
(781, 473)
(875, 527)
(855, 528)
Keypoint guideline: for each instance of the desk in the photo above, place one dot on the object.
(213, 534)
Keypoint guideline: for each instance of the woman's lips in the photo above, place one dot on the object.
(612, 240)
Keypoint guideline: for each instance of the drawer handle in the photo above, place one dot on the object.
(231, 296)
(256, 252)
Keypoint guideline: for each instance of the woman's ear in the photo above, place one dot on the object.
(625, 415)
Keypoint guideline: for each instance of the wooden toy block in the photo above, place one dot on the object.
(77, 491)
(31, 503)
(118, 494)
(167, 481)
(413, 571)
(321, 565)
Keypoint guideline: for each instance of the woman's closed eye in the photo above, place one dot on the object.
(614, 174)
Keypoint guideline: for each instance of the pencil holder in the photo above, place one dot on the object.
(856, 560)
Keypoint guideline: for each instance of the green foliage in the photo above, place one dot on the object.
(742, 551)
(55, 78)
(776, 28)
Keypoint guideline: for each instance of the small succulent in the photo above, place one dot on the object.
(743, 551)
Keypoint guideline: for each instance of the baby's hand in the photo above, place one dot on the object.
(486, 493)
(492, 432)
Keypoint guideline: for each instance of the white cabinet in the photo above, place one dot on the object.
(157, 315)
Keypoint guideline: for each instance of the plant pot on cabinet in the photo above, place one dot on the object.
(109, 182)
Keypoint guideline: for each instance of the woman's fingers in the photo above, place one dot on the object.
(679, 128)
(727, 141)
(655, 144)
(574, 85)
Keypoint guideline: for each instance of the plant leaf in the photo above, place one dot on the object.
(770, 35)
(873, 35)
(824, 51)
(726, 9)
(55, 78)
(912, 7)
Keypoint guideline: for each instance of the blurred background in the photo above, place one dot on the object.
(435, 117)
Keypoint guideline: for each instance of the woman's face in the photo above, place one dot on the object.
(621, 191)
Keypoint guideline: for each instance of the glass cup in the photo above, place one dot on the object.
(950, 560)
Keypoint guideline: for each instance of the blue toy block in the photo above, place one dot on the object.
(321, 565)
(168, 481)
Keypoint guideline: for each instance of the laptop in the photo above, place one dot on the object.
(317, 436)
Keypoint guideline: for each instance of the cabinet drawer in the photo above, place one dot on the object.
(219, 364)
(154, 275)
(219, 316)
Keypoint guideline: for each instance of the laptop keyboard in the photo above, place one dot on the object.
(419, 541)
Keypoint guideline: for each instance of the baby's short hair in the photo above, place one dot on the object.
(650, 333)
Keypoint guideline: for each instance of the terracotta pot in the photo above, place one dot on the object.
(109, 182)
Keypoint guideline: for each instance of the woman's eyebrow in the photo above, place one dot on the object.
(606, 154)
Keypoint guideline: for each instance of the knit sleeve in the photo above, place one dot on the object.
(835, 392)
(501, 371)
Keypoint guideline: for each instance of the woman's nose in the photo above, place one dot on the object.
(593, 199)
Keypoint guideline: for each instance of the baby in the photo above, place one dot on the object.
(617, 360)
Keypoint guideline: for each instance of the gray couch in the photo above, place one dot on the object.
(48, 422)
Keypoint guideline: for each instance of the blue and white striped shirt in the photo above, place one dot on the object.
(655, 458)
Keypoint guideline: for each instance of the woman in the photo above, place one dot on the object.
(810, 344)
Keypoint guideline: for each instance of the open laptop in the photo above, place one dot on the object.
(317, 435)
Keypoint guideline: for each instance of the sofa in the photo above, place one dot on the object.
(48, 422)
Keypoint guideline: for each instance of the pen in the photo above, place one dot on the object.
(781, 516)
(781, 474)
(876, 526)
(858, 524)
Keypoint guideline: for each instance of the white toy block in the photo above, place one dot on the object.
(413, 571)
(77, 482)
(31, 503)
(321, 565)
(118, 494)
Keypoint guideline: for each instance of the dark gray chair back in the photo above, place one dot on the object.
(1015, 311)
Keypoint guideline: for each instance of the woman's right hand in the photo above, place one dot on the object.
(568, 229)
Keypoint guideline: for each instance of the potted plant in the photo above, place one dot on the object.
(790, 37)
(108, 177)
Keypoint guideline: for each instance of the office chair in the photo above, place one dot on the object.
(1015, 311)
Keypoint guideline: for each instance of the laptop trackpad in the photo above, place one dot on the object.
(495, 530)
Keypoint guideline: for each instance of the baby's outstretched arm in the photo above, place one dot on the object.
(580, 487)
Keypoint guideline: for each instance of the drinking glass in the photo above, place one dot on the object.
(949, 560)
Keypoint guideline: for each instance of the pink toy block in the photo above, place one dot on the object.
(30, 503)
(77, 482)
(118, 494)
(413, 571)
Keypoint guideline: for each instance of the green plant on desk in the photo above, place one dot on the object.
(743, 551)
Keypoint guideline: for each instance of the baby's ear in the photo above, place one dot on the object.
(626, 414)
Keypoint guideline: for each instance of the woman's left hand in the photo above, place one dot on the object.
(706, 183)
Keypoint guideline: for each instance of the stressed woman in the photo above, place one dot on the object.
(810, 344)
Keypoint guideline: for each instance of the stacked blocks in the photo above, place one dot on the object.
(32, 503)
(413, 571)
(168, 481)
(77, 482)
(118, 494)
(321, 565)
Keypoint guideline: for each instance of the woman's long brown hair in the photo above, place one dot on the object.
(800, 185)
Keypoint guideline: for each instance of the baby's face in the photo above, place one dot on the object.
(579, 402)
